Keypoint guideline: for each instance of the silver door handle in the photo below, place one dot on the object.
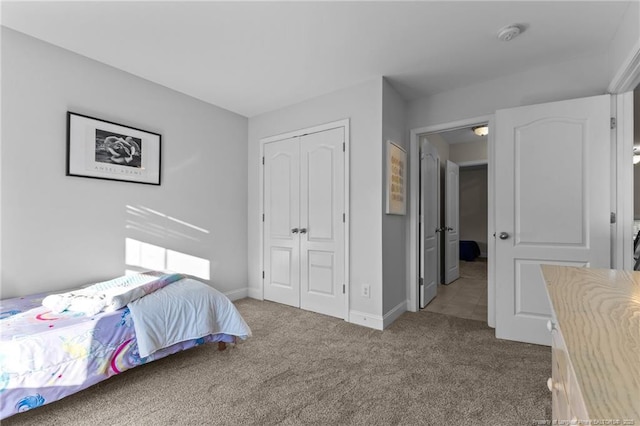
(303, 230)
(294, 231)
(504, 236)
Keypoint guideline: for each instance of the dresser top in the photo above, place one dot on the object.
(598, 313)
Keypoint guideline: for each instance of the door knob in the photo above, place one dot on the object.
(504, 236)
(449, 228)
(303, 230)
(294, 231)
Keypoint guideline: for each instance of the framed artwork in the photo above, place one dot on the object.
(101, 149)
(396, 179)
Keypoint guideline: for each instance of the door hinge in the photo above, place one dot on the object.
(263, 160)
(612, 218)
(344, 289)
(263, 217)
(344, 220)
(421, 281)
(344, 147)
(613, 123)
(263, 275)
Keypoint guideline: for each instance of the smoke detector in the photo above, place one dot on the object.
(510, 32)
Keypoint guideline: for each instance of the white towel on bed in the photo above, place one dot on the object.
(187, 309)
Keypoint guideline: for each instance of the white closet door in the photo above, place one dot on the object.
(281, 222)
(321, 222)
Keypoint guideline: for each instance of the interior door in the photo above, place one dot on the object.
(281, 222)
(552, 196)
(452, 223)
(429, 222)
(321, 232)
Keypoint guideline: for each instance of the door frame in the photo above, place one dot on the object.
(297, 133)
(621, 87)
(622, 184)
(413, 239)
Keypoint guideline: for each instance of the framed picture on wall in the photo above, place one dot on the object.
(102, 149)
(396, 179)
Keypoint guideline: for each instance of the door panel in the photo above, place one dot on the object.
(320, 192)
(321, 273)
(429, 223)
(535, 222)
(552, 204)
(281, 201)
(452, 223)
(321, 210)
(280, 266)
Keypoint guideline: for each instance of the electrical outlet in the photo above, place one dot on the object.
(365, 290)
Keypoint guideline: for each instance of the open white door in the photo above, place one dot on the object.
(429, 220)
(452, 223)
(552, 204)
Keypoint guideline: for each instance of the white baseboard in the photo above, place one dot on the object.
(394, 314)
(255, 293)
(378, 322)
(367, 320)
(237, 294)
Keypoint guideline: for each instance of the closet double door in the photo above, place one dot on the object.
(304, 241)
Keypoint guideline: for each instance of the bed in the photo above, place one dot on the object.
(469, 250)
(46, 355)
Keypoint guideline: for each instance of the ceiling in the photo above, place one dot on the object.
(254, 57)
(461, 135)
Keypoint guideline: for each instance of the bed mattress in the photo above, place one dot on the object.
(45, 356)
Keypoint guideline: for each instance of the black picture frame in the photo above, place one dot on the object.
(102, 149)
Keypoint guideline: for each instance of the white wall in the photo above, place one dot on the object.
(544, 84)
(59, 232)
(394, 259)
(440, 145)
(361, 104)
(626, 41)
(468, 152)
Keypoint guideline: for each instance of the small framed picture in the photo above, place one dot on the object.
(396, 179)
(104, 150)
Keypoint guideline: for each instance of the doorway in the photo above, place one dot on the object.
(462, 227)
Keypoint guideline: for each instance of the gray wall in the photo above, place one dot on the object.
(361, 104)
(473, 205)
(394, 258)
(545, 84)
(627, 37)
(468, 152)
(59, 232)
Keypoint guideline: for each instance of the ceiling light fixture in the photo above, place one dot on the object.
(510, 32)
(481, 130)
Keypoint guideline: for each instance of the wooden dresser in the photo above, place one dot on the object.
(595, 345)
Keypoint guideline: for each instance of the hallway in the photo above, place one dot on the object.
(467, 296)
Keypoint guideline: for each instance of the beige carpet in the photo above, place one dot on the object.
(305, 368)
